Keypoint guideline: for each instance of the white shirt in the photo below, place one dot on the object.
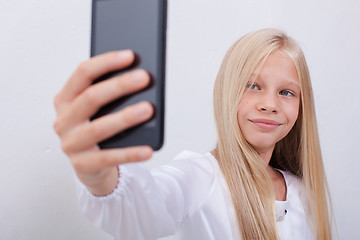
(187, 198)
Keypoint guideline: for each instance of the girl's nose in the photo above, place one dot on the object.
(269, 109)
(268, 104)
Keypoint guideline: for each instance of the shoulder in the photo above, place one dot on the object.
(192, 173)
(194, 161)
(296, 191)
(190, 166)
(294, 184)
(298, 201)
(291, 179)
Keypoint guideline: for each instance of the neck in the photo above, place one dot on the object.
(265, 155)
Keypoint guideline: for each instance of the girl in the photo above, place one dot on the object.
(264, 180)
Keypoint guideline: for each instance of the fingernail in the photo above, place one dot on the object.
(137, 76)
(141, 110)
(125, 54)
(144, 154)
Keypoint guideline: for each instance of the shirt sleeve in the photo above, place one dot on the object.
(150, 205)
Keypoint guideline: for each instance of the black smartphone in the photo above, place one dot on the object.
(139, 25)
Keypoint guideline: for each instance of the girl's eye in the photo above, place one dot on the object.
(287, 93)
(252, 86)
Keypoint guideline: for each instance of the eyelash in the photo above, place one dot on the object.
(252, 86)
(287, 91)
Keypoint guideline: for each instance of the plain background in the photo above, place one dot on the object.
(41, 43)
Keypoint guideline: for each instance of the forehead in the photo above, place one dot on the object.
(277, 66)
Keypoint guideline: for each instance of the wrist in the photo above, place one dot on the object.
(104, 184)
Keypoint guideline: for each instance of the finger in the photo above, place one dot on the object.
(91, 133)
(89, 102)
(90, 70)
(93, 161)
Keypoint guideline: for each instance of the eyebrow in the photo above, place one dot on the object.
(287, 82)
(293, 84)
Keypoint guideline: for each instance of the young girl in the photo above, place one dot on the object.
(264, 180)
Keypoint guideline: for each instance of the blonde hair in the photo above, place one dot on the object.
(299, 152)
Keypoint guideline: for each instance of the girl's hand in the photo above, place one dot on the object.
(79, 100)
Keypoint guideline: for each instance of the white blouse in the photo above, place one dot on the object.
(187, 198)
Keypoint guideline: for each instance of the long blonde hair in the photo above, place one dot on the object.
(299, 152)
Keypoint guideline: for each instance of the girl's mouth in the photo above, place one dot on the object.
(265, 124)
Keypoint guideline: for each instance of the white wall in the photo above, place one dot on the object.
(41, 43)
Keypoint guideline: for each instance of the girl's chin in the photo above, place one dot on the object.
(263, 141)
(263, 148)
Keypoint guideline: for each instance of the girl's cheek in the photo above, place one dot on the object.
(294, 110)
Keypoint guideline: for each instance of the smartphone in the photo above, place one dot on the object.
(139, 25)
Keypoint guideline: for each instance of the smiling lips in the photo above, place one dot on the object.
(265, 124)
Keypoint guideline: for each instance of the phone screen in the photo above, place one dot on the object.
(139, 25)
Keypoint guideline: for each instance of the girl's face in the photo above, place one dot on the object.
(270, 105)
